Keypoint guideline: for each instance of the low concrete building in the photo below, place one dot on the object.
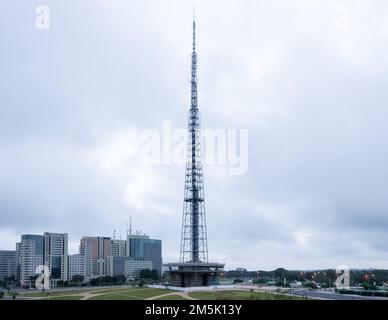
(194, 274)
(133, 268)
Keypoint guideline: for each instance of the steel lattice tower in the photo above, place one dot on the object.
(194, 235)
(194, 269)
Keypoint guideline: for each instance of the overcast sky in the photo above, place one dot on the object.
(307, 78)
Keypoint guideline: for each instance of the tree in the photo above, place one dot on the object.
(155, 275)
(107, 280)
(367, 286)
(149, 275)
(145, 274)
(279, 283)
(120, 279)
(260, 281)
(78, 278)
(3, 284)
(311, 285)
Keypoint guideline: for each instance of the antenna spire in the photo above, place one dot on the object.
(194, 28)
(193, 12)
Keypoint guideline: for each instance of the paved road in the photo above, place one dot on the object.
(333, 296)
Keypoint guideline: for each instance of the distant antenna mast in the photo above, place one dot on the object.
(193, 12)
(130, 226)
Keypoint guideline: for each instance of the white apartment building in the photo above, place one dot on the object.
(30, 256)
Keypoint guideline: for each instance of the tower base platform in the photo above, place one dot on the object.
(186, 275)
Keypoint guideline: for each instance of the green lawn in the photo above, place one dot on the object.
(172, 297)
(114, 297)
(65, 298)
(240, 295)
(38, 294)
(114, 290)
(132, 294)
(129, 293)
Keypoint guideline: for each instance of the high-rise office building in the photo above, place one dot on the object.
(141, 247)
(89, 249)
(95, 250)
(119, 248)
(56, 256)
(153, 253)
(7, 264)
(76, 266)
(116, 265)
(17, 261)
(135, 245)
(30, 257)
(104, 251)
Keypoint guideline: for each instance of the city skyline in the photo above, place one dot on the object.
(97, 257)
(306, 81)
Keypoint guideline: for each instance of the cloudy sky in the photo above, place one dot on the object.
(307, 78)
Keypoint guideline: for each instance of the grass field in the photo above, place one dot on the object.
(38, 294)
(112, 290)
(65, 298)
(241, 295)
(172, 297)
(117, 296)
(136, 293)
(131, 294)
